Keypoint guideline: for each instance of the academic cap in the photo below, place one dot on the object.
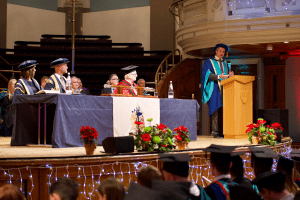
(285, 164)
(27, 64)
(221, 45)
(176, 163)
(269, 179)
(58, 62)
(213, 148)
(263, 152)
(129, 69)
(137, 192)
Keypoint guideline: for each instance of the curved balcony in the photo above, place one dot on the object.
(247, 26)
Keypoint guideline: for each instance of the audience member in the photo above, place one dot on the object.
(86, 90)
(271, 186)
(11, 192)
(175, 174)
(111, 189)
(27, 84)
(43, 82)
(57, 81)
(63, 189)
(286, 166)
(262, 159)
(147, 174)
(6, 102)
(141, 82)
(130, 77)
(237, 171)
(220, 162)
(295, 156)
(113, 80)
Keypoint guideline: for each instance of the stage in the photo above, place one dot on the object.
(13, 152)
(33, 169)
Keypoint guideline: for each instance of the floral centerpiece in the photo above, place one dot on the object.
(88, 135)
(154, 138)
(265, 134)
(182, 137)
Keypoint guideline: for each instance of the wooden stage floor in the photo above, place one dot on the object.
(8, 151)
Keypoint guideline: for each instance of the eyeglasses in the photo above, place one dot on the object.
(115, 79)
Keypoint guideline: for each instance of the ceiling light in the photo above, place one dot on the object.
(286, 42)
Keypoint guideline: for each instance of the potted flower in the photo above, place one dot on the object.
(277, 130)
(182, 137)
(153, 138)
(88, 135)
(260, 134)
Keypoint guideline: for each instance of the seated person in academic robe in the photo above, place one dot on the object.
(113, 80)
(75, 86)
(111, 188)
(237, 171)
(57, 81)
(286, 166)
(147, 174)
(262, 159)
(220, 161)
(27, 84)
(271, 186)
(295, 156)
(63, 188)
(6, 102)
(86, 90)
(175, 174)
(130, 77)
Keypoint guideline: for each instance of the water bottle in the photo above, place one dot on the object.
(170, 92)
(69, 84)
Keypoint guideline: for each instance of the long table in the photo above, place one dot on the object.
(67, 113)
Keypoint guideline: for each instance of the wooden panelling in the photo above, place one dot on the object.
(275, 86)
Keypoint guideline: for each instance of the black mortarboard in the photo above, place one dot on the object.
(176, 163)
(59, 62)
(237, 153)
(221, 45)
(27, 64)
(238, 192)
(213, 148)
(285, 164)
(137, 192)
(129, 69)
(269, 179)
(263, 152)
(175, 189)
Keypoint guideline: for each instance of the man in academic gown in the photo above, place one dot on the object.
(57, 81)
(130, 77)
(213, 72)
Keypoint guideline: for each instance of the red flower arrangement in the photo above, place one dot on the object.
(153, 138)
(182, 134)
(88, 135)
(266, 135)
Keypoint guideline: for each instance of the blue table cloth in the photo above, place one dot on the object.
(67, 113)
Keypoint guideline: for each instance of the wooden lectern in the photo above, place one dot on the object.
(237, 106)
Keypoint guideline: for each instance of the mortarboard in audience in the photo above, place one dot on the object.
(262, 157)
(176, 163)
(271, 180)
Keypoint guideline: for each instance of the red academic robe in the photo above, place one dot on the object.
(127, 91)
